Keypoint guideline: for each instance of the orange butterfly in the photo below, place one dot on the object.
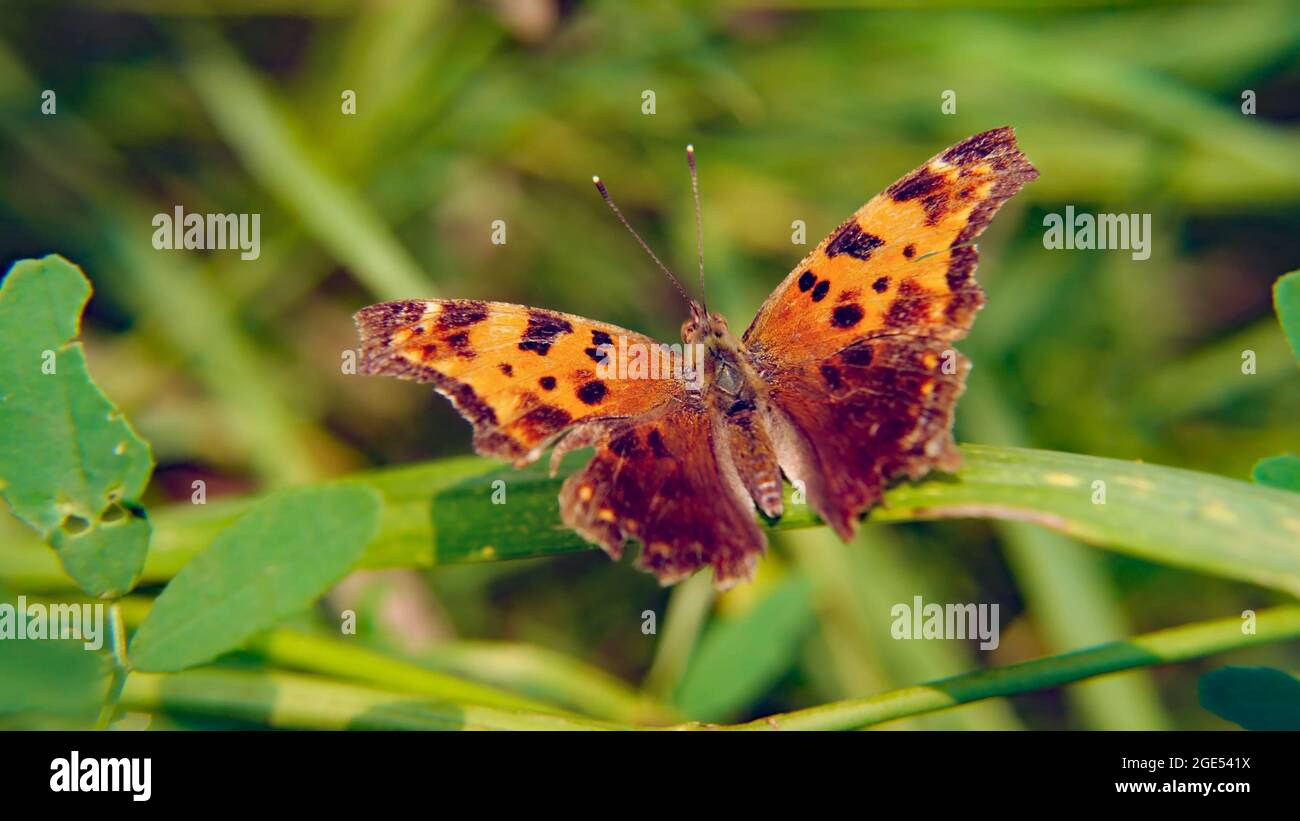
(844, 380)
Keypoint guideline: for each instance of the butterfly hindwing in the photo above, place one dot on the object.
(877, 409)
(660, 479)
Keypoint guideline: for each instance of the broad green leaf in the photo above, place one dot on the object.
(71, 467)
(62, 677)
(739, 660)
(504, 514)
(1257, 698)
(1286, 299)
(1278, 471)
(274, 561)
(50, 677)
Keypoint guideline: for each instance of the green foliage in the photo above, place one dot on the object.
(1278, 471)
(467, 114)
(274, 561)
(1286, 300)
(58, 678)
(739, 659)
(71, 466)
(1257, 698)
(1206, 523)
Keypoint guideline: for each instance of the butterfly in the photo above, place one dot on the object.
(845, 380)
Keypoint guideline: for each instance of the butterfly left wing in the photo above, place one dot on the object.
(521, 376)
(854, 345)
(526, 378)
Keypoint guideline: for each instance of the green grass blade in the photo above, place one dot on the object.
(260, 132)
(738, 659)
(1219, 526)
(1161, 647)
(302, 702)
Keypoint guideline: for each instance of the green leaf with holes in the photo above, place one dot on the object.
(71, 467)
(1286, 299)
(277, 559)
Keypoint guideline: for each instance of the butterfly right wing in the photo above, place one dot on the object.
(662, 478)
(855, 345)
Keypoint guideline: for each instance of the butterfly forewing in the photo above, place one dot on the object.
(855, 344)
(521, 376)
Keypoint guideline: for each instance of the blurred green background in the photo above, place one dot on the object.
(467, 113)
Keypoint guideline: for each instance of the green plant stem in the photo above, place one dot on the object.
(300, 702)
(1161, 647)
(121, 667)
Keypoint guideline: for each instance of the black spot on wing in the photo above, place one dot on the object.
(626, 445)
(920, 183)
(819, 293)
(847, 315)
(806, 280)
(543, 421)
(543, 329)
(858, 354)
(591, 393)
(855, 242)
(831, 374)
(459, 343)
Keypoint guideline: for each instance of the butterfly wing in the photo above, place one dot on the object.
(854, 345)
(525, 377)
(521, 376)
(661, 479)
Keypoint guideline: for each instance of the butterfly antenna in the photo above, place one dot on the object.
(600, 186)
(699, 222)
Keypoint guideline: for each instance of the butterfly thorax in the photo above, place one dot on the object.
(736, 398)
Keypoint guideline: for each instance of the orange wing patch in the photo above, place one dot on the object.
(902, 263)
(521, 376)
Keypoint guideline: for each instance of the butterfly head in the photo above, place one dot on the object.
(708, 329)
